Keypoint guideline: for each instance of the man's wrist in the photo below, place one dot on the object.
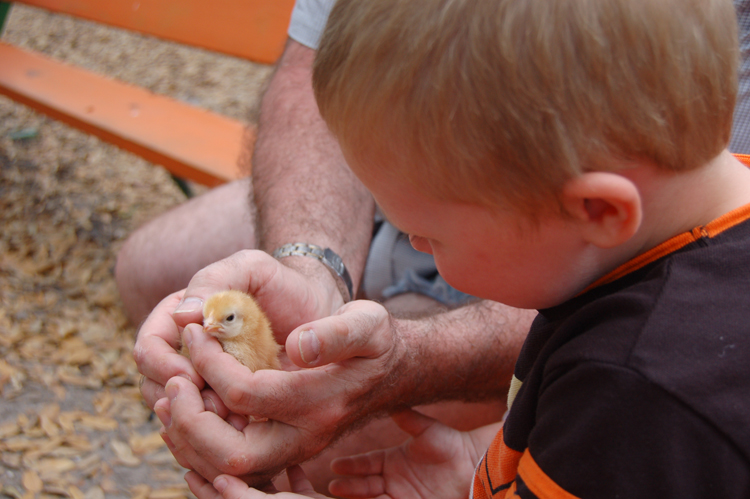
(393, 387)
(330, 260)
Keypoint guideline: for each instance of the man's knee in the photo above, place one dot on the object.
(129, 278)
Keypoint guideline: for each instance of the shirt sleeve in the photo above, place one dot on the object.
(308, 21)
(607, 431)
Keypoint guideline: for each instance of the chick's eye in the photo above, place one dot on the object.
(230, 318)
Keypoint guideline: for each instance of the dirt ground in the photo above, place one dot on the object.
(72, 423)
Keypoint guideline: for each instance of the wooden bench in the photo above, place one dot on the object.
(190, 142)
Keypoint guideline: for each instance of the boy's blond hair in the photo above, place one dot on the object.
(498, 102)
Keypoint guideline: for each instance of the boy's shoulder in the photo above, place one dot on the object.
(680, 322)
(691, 290)
(646, 369)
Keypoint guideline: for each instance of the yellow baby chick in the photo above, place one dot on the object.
(236, 320)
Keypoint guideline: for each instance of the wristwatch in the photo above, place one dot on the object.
(327, 257)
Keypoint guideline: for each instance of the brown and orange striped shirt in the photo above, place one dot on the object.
(640, 386)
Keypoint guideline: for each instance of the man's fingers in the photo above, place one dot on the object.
(200, 487)
(170, 445)
(266, 394)
(359, 329)
(234, 488)
(159, 321)
(240, 390)
(199, 343)
(161, 409)
(220, 276)
(222, 372)
(183, 415)
(204, 438)
(360, 335)
(156, 348)
(151, 391)
(413, 422)
(246, 270)
(212, 402)
(163, 363)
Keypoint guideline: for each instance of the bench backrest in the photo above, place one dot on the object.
(250, 29)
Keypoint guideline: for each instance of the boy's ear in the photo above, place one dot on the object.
(607, 207)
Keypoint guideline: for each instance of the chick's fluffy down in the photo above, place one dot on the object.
(244, 331)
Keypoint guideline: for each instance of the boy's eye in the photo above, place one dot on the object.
(230, 318)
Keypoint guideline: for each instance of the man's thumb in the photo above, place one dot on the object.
(360, 329)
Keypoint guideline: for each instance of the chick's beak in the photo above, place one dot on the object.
(211, 327)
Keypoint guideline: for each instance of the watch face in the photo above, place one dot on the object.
(334, 260)
(344, 280)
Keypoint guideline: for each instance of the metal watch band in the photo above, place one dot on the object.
(327, 257)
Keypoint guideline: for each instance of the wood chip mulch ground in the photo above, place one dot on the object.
(72, 423)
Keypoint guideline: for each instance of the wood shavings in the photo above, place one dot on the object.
(140, 491)
(9, 429)
(31, 482)
(169, 493)
(146, 444)
(94, 493)
(124, 453)
(10, 374)
(102, 423)
(103, 402)
(75, 493)
(52, 467)
(108, 485)
(161, 458)
(12, 461)
(68, 382)
(89, 465)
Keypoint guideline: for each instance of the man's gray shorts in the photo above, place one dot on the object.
(395, 267)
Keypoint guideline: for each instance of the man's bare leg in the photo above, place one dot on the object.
(163, 255)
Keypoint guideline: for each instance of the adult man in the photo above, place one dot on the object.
(305, 192)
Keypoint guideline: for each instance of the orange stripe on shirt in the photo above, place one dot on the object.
(538, 482)
(679, 241)
(496, 470)
(745, 158)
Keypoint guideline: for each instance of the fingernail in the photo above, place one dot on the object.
(167, 440)
(164, 416)
(172, 390)
(187, 336)
(191, 304)
(220, 483)
(209, 405)
(309, 346)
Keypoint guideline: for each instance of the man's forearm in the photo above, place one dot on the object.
(303, 189)
(464, 354)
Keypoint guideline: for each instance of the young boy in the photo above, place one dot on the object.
(568, 156)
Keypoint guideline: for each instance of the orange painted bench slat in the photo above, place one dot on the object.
(188, 141)
(250, 29)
